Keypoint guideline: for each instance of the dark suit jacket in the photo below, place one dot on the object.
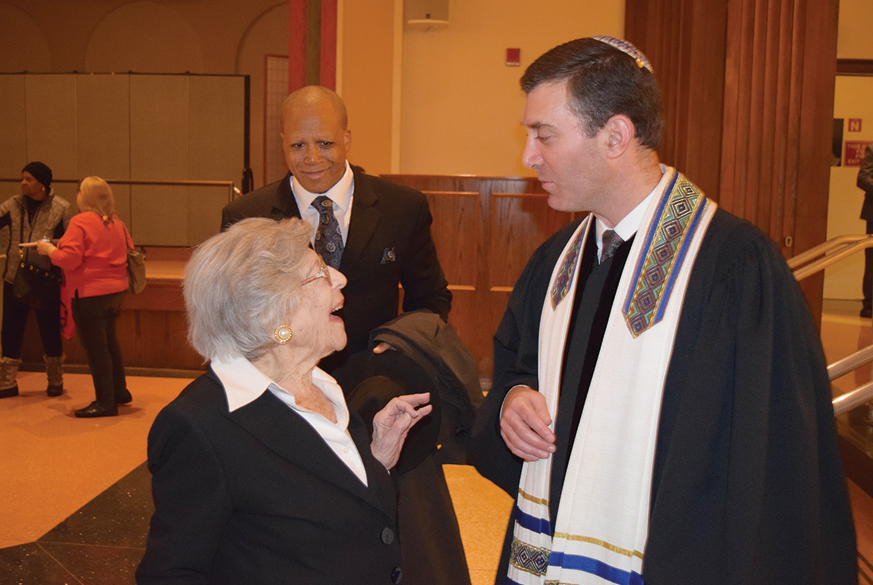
(257, 496)
(865, 182)
(386, 217)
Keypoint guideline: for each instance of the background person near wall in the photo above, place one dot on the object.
(35, 214)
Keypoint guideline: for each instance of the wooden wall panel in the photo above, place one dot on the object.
(685, 42)
(151, 329)
(748, 89)
(519, 224)
(485, 229)
(455, 231)
(810, 183)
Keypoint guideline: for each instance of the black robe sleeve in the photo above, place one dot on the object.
(748, 485)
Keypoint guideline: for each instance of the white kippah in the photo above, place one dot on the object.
(628, 49)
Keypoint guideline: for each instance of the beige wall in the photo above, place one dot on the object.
(856, 22)
(439, 102)
(419, 102)
(366, 80)
(461, 104)
(216, 27)
(852, 100)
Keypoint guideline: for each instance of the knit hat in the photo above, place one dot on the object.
(40, 172)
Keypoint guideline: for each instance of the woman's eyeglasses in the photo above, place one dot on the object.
(323, 272)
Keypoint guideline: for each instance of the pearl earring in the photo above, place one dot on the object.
(282, 334)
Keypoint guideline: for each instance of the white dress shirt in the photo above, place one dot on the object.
(342, 195)
(630, 223)
(244, 383)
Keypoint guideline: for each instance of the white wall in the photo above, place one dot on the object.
(462, 105)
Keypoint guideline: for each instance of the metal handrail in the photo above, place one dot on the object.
(853, 399)
(215, 195)
(815, 260)
(850, 363)
(859, 395)
(193, 183)
(827, 254)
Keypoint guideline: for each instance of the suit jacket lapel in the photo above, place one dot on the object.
(379, 479)
(287, 434)
(365, 218)
(284, 204)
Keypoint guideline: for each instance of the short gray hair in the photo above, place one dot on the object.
(242, 284)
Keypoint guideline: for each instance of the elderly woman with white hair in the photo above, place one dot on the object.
(260, 473)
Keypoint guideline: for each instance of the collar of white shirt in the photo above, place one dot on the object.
(244, 383)
(630, 223)
(340, 193)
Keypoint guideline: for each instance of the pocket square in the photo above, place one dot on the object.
(388, 255)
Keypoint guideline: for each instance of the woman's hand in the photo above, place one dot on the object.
(45, 248)
(392, 424)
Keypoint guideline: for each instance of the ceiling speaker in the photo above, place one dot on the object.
(426, 14)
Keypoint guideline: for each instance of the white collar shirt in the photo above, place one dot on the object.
(341, 194)
(244, 383)
(630, 223)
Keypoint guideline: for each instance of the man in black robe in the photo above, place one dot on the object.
(747, 484)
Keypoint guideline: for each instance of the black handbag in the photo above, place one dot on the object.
(33, 285)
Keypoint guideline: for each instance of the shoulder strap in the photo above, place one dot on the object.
(127, 234)
(22, 253)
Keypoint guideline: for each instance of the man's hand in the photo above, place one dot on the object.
(382, 347)
(524, 424)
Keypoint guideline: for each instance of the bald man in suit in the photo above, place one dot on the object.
(385, 227)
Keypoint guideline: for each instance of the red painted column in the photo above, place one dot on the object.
(296, 44)
(327, 67)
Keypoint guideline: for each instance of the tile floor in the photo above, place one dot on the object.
(76, 501)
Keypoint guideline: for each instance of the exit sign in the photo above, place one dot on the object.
(855, 152)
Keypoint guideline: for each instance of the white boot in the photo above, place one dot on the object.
(8, 373)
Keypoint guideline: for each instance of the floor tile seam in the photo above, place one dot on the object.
(52, 557)
(118, 546)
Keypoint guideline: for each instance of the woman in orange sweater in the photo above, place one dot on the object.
(93, 255)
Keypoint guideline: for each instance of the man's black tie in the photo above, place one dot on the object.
(328, 237)
(611, 242)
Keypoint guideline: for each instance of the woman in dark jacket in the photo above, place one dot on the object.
(260, 473)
